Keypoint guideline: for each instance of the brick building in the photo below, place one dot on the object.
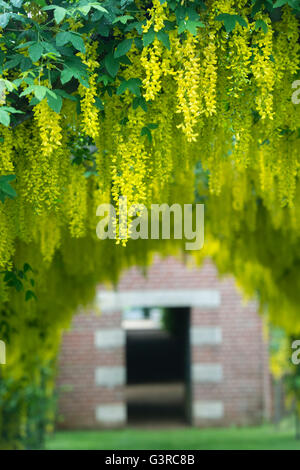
(217, 368)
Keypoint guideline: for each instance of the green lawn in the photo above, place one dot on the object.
(264, 437)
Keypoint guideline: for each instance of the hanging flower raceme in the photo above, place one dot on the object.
(188, 83)
(90, 118)
(263, 70)
(6, 151)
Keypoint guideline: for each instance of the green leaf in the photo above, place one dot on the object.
(145, 131)
(5, 5)
(98, 7)
(24, 44)
(35, 51)
(89, 173)
(230, 21)
(62, 38)
(77, 42)
(149, 37)
(66, 75)
(17, 3)
(241, 21)
(124, 59)
(84, 9)
(75, 69)
(13, 62)
(124, 121)
(280, 3)
(152, 125)
(59, 14)
(260, 24)
(189, 25)
(257, 6)
(4, 117)
(13, 281)
(55, 103)
(9, 190)
(64, 94)
(49, 7)
(33, 102)
(21, 274)
(140, 101)
(5, 189)
(9, 85)
(133, 85)
(39, 91)
(7, 178)
(30, 295)
(4, 19)
(27, 268)
(163, 38)
(192, 26)
(9, 276)
(27, 91)
(82, 80)
(10, 109)
(123, 19)
(138, 25)
(105, 79)
(122, 88)
(98, 103)
(138, 43)
(111, 64)
(123, 48)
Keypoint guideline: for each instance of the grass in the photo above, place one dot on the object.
(264, 437)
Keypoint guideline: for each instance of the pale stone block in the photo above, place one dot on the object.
(111, 414)
(109, 338)
(206, 335)
(208, 409)
(199, 298)
(110, 377)
(206, 373)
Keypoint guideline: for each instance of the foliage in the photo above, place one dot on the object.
(31, 406)
(124, 98)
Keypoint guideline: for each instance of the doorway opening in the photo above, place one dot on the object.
(157, 366)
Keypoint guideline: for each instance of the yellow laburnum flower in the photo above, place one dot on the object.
(89, 118)
(6, 150)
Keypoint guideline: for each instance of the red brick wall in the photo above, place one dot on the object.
(243, 356)
(244, 388)
(78, 393)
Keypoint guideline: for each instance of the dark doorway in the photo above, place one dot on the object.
(157, 363)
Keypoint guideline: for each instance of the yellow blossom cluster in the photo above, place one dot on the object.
(157, 15)
(188, 83)
(264, 71)
(89, 116)
(211, 97)
(6, 151)
(151, 61)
